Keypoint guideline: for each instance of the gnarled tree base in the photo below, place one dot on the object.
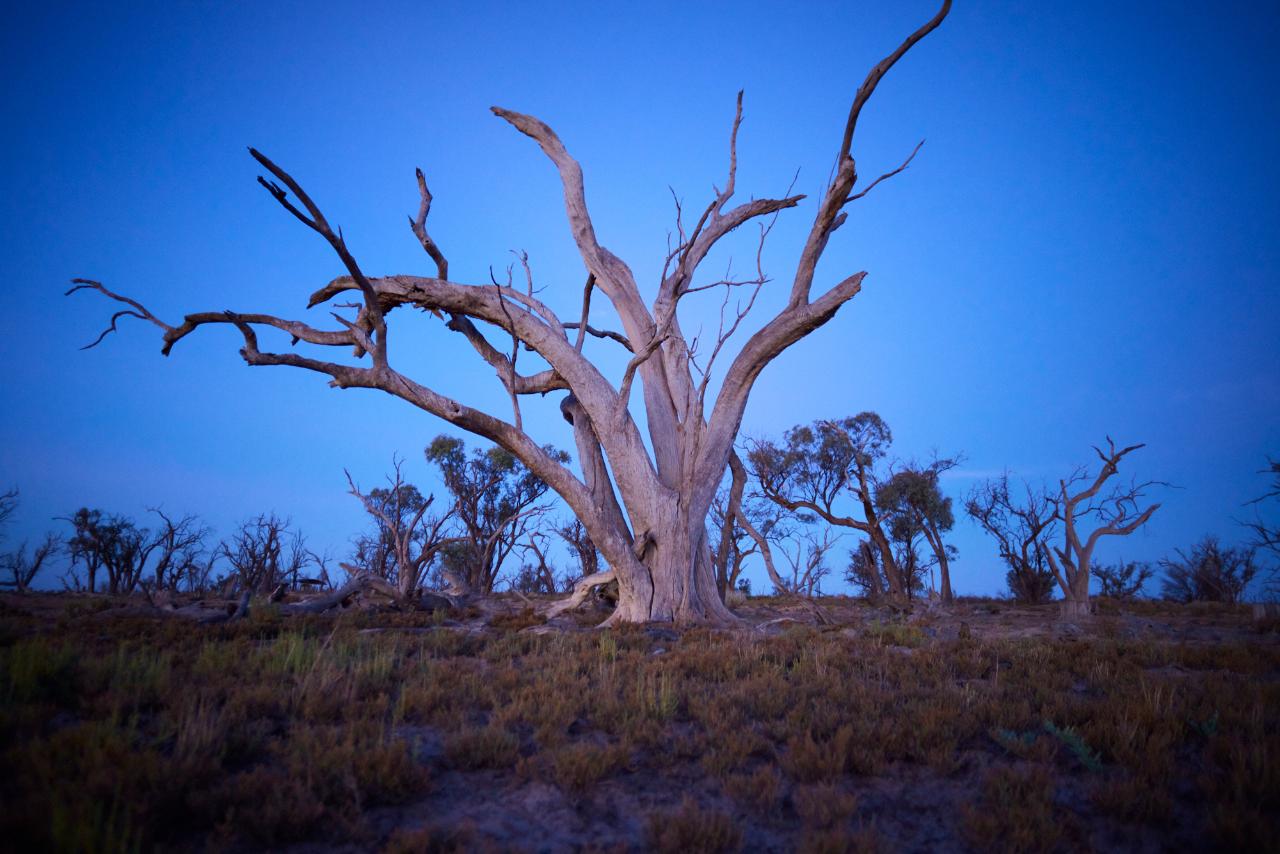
(1075, 609)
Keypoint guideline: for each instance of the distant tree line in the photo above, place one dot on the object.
(797, 497)
(495, 528)
(791, 504)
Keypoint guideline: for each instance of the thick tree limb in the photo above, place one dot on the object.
(612, 275)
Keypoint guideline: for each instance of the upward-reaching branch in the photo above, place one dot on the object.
(419, 227)
(613, 277)
(878, 71)
(829, 216)
(371, 316)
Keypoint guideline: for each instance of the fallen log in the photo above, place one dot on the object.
(581, 591)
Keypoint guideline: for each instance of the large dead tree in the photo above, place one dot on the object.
(644, 500)
(1116, 513)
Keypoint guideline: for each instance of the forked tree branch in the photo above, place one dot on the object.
(372, 313)
(139, 310)
(612, 275)
(587, 329)
(673, 472)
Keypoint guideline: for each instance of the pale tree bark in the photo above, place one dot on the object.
(643, 497)
(1117, 512)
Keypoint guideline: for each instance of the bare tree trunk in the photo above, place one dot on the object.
(934, 536)
(1074, 609)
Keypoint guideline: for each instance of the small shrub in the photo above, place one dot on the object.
(758, 790)
(81, 825)
(1122, 581)
(483, 747)
(1209, 573)
(269, 806)
(824, 804)
(1090, 759)
(808, 760)
(1130, 797)
(1014, 812)
(729, 751)
(35, 671)
(895, 634)
(515, 622)
(843, 840)
(656, 694)
(576, 766)
(693, 829)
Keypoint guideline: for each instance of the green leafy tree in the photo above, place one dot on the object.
(837, 471)
(495, 500)
(913, 501)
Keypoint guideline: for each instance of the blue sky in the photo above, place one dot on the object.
(1085, 245)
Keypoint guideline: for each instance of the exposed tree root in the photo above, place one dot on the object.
(581, 592)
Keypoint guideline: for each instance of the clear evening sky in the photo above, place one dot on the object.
(1086, 244)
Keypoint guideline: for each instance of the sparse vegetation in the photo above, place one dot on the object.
(127, 734)
(493, 675)
(1123, 580)
(1209, 572)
